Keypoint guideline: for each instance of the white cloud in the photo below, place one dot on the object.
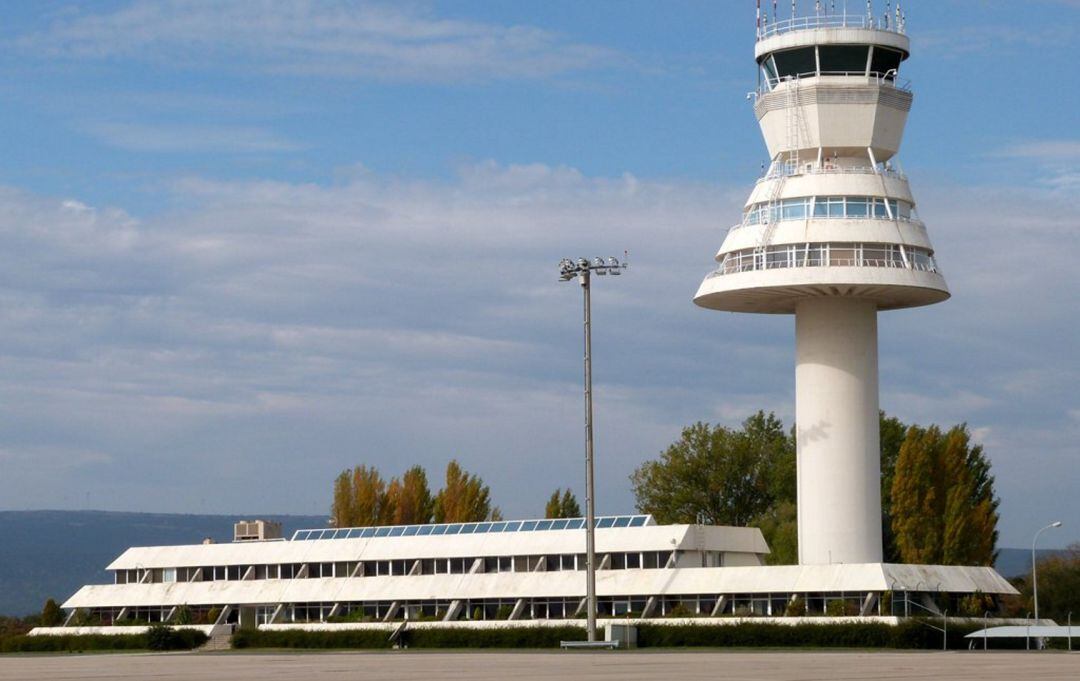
(295, 329)
(1043, 149)
(191, 138)
(352, 39)
(967, 40)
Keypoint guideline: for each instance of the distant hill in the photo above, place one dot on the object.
(1017, 562)
(52, 553)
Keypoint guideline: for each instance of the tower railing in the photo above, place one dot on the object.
(829, 21)
(790, 170)
(887, 79)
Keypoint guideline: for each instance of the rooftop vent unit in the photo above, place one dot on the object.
(256, 530)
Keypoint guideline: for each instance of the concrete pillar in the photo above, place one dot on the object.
(836, 411)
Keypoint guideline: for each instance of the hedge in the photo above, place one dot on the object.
(511, 637)
(255, 638)
(158, 638)
(909, 634)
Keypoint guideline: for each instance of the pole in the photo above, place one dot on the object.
(986, 645)
(945, 631)
(1069, 637)
(1035, 575)
(1034, 570)
(590, 518)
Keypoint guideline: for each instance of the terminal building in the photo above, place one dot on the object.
(508, 570)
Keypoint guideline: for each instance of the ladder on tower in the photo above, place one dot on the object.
(782, 167)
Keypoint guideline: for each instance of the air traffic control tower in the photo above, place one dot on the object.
(830, 234)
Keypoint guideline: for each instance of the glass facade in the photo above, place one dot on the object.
(828, 207)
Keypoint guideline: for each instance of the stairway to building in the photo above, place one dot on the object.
(220, 639)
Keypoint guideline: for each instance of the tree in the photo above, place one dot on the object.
(410, 499)
(563, 505)
(943, 506)
(780, 527)
(360, 499)
(51, 614)
(719, 475)
(463, 498)
(893, 431)
(1059, 587)
(342, 509)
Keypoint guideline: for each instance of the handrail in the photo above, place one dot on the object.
(829, 21)
(915, 222)
(791, 170)
(887, 79)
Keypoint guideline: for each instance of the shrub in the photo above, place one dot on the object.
(504, 612)
(51, 614)
(796, 607)
(836, 608)
(513, 637)
(254, 638)
(908, 634)
(183, 639)
(886, 603)
(510, 637)
(212, 614)
(183, 615)
(762, 634)
(680, 610)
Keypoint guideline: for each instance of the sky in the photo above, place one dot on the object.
(246, 245)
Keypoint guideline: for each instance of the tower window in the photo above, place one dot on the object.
(885, 60)
(843, 59)
(797, 62)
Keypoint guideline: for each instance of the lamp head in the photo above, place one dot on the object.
(1056, 523)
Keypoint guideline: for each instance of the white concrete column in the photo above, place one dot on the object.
(836, 411)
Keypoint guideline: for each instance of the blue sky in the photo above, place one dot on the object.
(246, 245)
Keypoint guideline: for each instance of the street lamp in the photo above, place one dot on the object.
(1034, 574)
(582, 269)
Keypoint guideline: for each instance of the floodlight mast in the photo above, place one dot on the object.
(582, 269)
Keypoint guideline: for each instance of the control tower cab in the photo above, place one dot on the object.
(831, 234)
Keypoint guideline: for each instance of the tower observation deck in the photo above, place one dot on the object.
(831, 234)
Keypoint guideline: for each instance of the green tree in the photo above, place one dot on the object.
(719, 475)
(943, 506)
(410, 499)
(780, 527)
(1059, 587)
(51, 614)
(463, 498)
(893, 431)
(562, 505)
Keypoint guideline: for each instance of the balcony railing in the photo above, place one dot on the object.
(788, 169)
(827, 255)
(883, 23)
(888, 79)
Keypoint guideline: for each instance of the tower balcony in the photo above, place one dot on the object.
(773, 280)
